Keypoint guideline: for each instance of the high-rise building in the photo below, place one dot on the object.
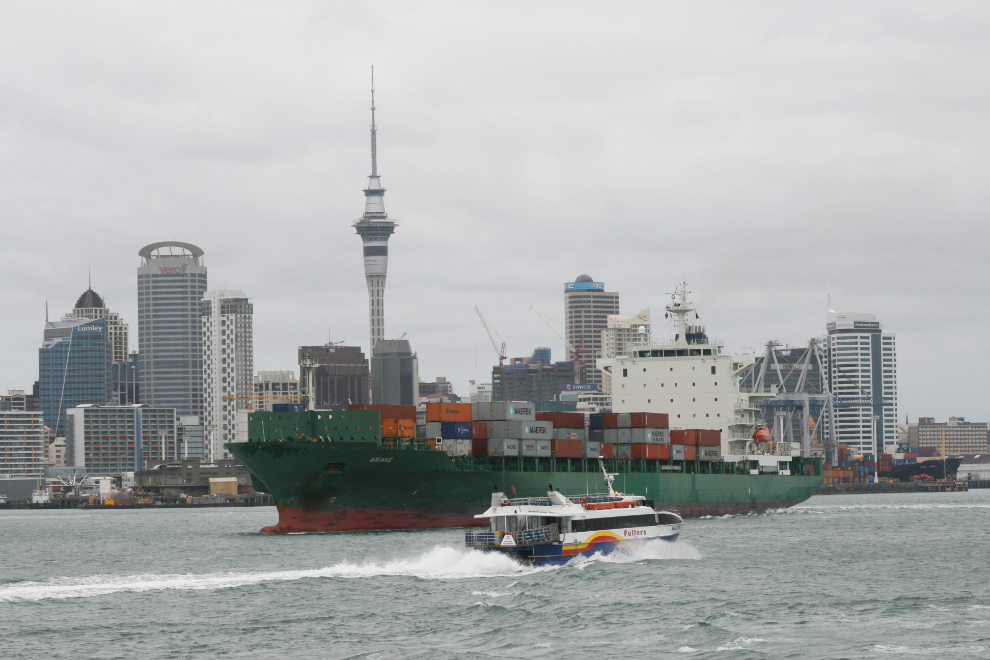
(587, 306)
(110, 440)
(439, 386)
(479, 392)
(90, 306)
(535, 378)
(622, 332)
(960, 436)
(394, 373)
(228, 367)
(14, 399)
(23, 445)
(125, 381)
(171, 284)
(275, 387)
(375, 228)
(341, 379)
(191, 437)
(861, 363)
(73, 368)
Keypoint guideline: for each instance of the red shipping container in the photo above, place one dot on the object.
(569, 420)
(911, 455)
(677, 436)
(479, 448)
(663, 452)
(547, 417)
(709, 438)
(610, 420)
(686, 437)
(649, 420)
(448, 412)
(479, 431)
(690, 452)
(608, 450)
(648, 451)
(390, 428)
(567, 448)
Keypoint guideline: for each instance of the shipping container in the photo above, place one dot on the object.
(535, 430)
(644, 420)
(677, 452)
(709, 438)
(690, 452)
(624, 421)
(645, 451)
(709, 453)
(458, 430)
(610, 420)
(624, 436)
(464, 447)
(448, 412)
(569, 434)
(479, 448)
(596, 435)
(592, 449)
(610, 436)
(388, 411)
(434, 430)
(650, 436)
(481, 412)
(449, 446)
(519, 411)
(503, 447)
(544, 448)
(663, 452)
(623, 451)
(596, 421)
(390, 428)
(421, 430)
(682, 437)
(607, 449)
(527, 447)
(567, 448)
(479, 431)
(407, 428)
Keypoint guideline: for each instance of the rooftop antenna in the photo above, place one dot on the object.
(46, 311)
(90, 270)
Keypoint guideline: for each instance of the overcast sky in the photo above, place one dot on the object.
(769, 153)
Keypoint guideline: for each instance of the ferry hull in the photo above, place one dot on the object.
(328, 487)
(555, 554)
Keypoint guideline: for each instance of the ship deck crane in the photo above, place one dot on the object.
(498, 351)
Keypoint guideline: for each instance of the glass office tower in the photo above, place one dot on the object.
(73, 368)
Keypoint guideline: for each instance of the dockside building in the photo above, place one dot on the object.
(23, 444)
(111, 440)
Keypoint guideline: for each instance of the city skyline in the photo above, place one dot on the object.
(761, 176)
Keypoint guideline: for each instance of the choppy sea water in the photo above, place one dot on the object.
(867, 576)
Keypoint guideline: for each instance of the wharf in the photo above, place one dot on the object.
(894, 487)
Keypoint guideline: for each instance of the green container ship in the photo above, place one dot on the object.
(329, 470)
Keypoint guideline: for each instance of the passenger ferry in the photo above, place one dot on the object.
(556, 528)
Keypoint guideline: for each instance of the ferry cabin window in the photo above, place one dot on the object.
(615, 522)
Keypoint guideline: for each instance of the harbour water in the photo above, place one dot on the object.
(857, 576)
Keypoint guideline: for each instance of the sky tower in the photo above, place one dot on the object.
(374, 228)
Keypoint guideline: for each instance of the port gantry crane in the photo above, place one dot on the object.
(499, 352)
(577, 351)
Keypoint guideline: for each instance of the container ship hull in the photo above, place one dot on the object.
(336, 487)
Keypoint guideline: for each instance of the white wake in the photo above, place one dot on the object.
(440, 563)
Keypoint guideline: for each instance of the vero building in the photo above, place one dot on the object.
(587, 306)
(171, 284)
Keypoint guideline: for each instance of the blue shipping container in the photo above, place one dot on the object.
(596, 421)
(455, 430)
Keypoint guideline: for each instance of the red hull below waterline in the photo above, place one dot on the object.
(294, 520)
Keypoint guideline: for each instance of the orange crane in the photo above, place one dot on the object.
(499, 352)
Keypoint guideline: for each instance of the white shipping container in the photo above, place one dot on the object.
(449, 447)
(527, 447)
(521, 411)
(677, 452)
(710, 453)
(433, 430)
(625, 436)
(593, 449)
(463, 447)
(503, 447)
(569, 434)
(651, 436)
(543, 448)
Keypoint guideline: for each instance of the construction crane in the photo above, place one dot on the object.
(499, 352)
(577, 350)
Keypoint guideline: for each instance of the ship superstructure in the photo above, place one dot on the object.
(691, 378)
(375, 228)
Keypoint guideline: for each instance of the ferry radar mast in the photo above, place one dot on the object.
(609, 478)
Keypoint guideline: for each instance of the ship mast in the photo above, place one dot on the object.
(680, 306)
